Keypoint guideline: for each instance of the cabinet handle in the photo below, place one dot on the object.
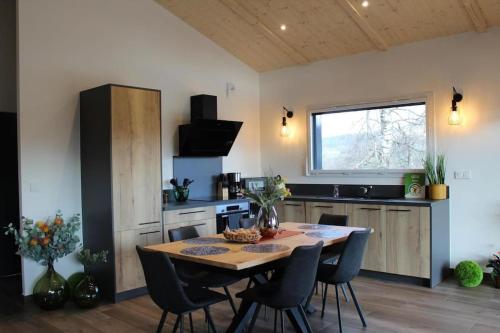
(148, 233)
(399, 210)
(318, 206)
(366, 208)
(145, 223)
(193, 212)
(295, 205)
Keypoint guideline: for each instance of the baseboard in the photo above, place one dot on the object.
(131, 294)
(395, 278)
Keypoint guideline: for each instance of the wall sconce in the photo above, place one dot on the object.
(455, 117)
(285, 131)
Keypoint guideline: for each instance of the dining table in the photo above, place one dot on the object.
(251, 260)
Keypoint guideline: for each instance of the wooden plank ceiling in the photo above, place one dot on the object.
(325, 29)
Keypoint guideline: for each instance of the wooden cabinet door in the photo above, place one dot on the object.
(129, 273)
(136, 157)
(204, 227)
(314, 210)
(408, 240)
(372, 216)
(293, 211)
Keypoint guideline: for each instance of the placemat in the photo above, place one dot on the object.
(326, 234)
(264, 248)
(204, 240)
(204, 250)
(283, 233)
(315, 226)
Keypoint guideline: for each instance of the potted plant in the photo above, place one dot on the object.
(87, 293)
(436, 174)
(45, 242)
(181, 192)
(495, 264)
(274, 190)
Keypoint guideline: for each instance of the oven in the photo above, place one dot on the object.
(230, 215)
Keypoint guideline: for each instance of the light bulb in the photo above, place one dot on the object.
(285, 131)
(283, 27)
(365, 3)
(454, 118)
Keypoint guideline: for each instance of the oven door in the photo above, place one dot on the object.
(230, 219)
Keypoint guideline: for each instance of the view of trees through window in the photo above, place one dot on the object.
(391, 137)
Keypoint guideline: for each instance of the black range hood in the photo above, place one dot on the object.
(207, 136)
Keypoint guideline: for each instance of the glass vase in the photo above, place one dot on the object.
(87, 293)
(181, 194)
(267, 221)
(51, 291)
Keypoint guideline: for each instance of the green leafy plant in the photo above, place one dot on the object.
(469, 274)
(435, 172)
(274, 190)
(494, 263)
(46, 241)
(88, 258)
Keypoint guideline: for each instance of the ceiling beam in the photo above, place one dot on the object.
(363, 24)
(252, 20)
(476, 15)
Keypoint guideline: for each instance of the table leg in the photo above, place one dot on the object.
(245, 313)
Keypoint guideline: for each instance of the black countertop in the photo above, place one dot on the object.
(196, 203)
(373, 201)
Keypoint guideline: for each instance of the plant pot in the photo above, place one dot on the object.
(51, 291)
(437, 191)
(87, 294)
(267, 221)
(496, 279)
(181, 194)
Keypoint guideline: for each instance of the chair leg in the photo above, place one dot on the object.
(210, 321)
(282, 322)
(191, 322)
(254, 319)
(176, 325)
(324, 301)
(230, 299)
(181, 324)
(360, 312)
(304, 318)
(249, 284)
(275, 319)
(162, 322)
(342, 286)
(316, 288)
(338, 307)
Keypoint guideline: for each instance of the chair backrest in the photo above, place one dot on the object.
(330, 219)
(182, 233)
(351, 257)
(164, 286)
(247, 223)
(300, 273)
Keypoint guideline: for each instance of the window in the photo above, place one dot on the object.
(379, 138)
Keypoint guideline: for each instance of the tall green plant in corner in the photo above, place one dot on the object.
(435, 171)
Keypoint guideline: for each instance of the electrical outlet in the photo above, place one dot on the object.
(462, 174)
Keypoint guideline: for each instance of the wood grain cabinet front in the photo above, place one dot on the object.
(292, 211)
(204, 227)
(314, 210)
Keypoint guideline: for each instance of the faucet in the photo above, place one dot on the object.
(366, 190)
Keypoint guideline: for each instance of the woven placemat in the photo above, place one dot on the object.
(265, 248)
(325, 234)
(314, 227)
(204, 240)
(204, 250)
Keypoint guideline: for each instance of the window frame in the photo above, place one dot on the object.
(426, 98)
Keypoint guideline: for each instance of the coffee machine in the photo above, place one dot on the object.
(234, 184)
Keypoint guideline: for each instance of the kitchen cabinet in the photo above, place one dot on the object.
(203, 227)
(292, 211)
(314, 210)
(372, 216)
(408, 240)
(120, 144)
(202, 218)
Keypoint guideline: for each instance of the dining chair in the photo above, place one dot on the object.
(170, 295)
(291, 289)
(331, 254)
(196, 275)
(346, 269)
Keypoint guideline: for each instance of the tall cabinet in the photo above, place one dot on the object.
(120, 138)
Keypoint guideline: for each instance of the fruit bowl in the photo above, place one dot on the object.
(242, 235)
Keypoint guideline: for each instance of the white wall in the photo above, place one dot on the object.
(8, 85)
(66, 46)
(468, 61)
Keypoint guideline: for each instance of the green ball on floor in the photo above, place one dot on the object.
(469, 274)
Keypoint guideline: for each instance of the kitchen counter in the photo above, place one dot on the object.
(199, 203)
(374, 201)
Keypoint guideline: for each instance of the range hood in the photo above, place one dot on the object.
(206, 135)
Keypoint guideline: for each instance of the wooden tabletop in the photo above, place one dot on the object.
(237, 259)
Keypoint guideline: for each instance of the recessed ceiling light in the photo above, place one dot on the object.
(283, 27)
(365, 3)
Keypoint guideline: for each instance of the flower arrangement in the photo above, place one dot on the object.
(46, 241)
(494, 263)
(274, 190)
(88, 258)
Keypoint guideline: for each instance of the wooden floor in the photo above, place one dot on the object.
(389, 307)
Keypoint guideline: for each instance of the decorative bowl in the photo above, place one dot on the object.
(242, 235)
